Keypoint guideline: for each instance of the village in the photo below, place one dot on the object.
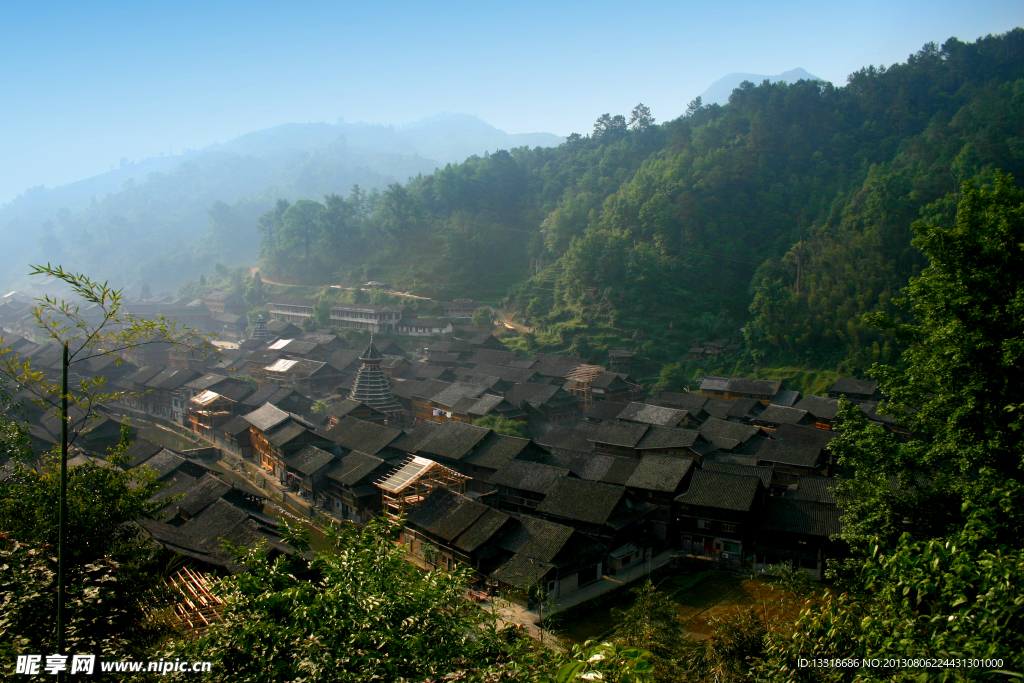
(605, 484)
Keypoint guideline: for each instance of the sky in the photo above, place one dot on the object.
(84, 84)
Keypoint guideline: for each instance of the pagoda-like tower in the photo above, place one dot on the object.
(372, 386)
(259, 329)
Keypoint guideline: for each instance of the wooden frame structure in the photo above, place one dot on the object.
(413, 481)
(196, 607)
(579, 383)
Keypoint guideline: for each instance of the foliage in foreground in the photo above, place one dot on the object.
(361, 612)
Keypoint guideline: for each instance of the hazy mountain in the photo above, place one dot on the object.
(113, 224)
(720, 90)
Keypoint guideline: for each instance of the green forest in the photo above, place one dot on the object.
(786, 212)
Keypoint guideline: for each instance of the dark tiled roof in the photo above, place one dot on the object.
(362, 436)
(665, 437)
(215, 522)
(556, 366)
(495, 450)
(819, 406)
(580, 500)
(141, 451)
(740, 385)
(286, 433)
(208, 488)
(420, 370)
(205, 382)
(619, 470)
(426, 389)
(778, 415)
(521, 571)
(626, 434)
(567, 438)
(501, 358)
(309, 460)
(531, 392)
(817, 489)
(721, 490)
(450, 396)
(164, 462)
(235, 426)
(730, 458)
(786, 397)
(266, 417)
(509, 374)
(763, 473)
(528, 476)
(482, 530)
(850, 386)
(801, 517)
(353, 468)
(410, 442)
(684, 401)
(744, 407)
(268, 393)
(453, 440)
(658, 472)
(445, 513)
(789, 453)
(605, 410)
(535, 538)
(652, 415)
(726, 435)
(803, 434)
(718, 408)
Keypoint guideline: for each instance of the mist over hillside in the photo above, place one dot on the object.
(719, 91)
(173, 216)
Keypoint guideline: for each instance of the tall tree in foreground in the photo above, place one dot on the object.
(935, 522)
(105, 330)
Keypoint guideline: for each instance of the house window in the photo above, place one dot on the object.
(728, 528)
(703, 523)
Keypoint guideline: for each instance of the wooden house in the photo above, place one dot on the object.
(350, 487)
(717, 515)
(763, 390)
(276, 435)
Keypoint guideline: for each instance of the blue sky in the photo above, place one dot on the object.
(83, 84)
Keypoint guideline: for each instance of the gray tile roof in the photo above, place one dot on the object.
(528, 476)
(847, 385)
(486, 527)
(445, 514)
(726, 435)
(789, 453)
(495, 450)
(581, 500)
(539, 539)
(740, 385)
(657, 472)
(164, 462)
(362, 436)
(652, 415)
(286, 433)
(801, 517)
(501, 358)
(266, 417)
(452, 440)
(308, 460)
(778, 415)
(521, 571)
(786, 397)
(684, 401)
(140, 451)
(625, 434)
(763, 473)
(409, 443)
(803, 434)
(817, 489)
(819, 406)
(353, 468)
(567, 438)
(207, 489)
(722, 490)
(235, 426)
(665, 437)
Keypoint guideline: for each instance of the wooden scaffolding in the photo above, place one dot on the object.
(196, 607)
(578, 382)
(413, 481)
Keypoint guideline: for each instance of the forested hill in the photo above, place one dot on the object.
(787, 211)
(169, 218)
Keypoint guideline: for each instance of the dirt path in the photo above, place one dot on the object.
(506, 320)
(254, 270)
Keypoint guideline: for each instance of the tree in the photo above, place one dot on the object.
(608, 126)
(672, 378)
(502, 425)
(322, 312)
(640, 118)
(652, 624)
(111, 568)
(935, 522)
(255, 294)
(483, 316)
(107, 331)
